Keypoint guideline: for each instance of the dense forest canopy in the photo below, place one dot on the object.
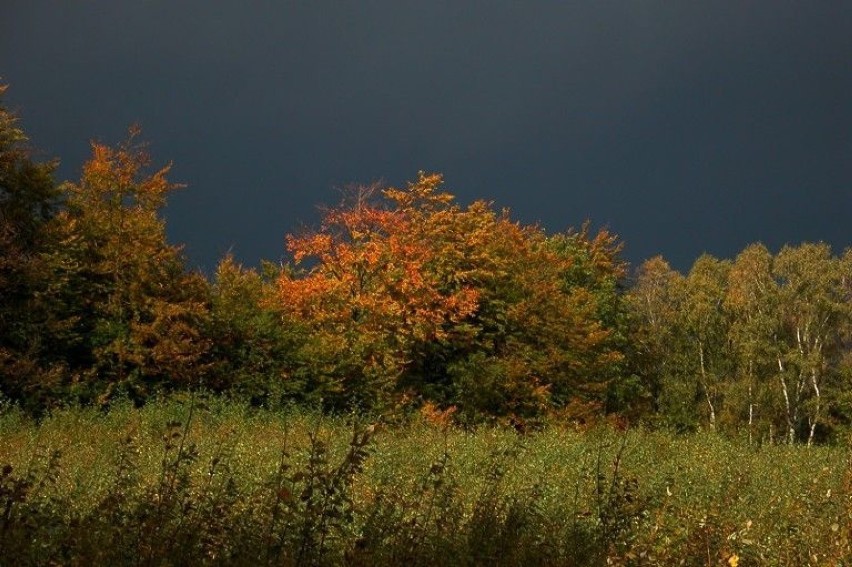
(404, 297)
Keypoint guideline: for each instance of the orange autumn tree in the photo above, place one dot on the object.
(368, 295)
(406, 291)
(140, 313)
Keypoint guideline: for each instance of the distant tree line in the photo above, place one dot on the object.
(403, 297)
(760, 344)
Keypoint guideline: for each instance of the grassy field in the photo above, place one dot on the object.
(216, 483)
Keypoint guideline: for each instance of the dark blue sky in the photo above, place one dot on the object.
(685, 127)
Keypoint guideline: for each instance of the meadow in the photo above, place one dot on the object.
(212, 482)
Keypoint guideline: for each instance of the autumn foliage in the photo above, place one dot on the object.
(139, 311)
(404, 301)
(401, 297)
(407, 292)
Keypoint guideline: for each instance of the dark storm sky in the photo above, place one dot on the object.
(686, 127)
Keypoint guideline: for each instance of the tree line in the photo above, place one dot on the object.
(760, 344)
(403, 297)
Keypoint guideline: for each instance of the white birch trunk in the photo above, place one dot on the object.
(817, 409)
(706, 389)
(791, 427)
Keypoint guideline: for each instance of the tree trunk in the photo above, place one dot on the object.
(791, 426)
(750, 400)
(706, 389)
(815, 419)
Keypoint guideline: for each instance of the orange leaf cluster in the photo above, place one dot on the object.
(383, 277)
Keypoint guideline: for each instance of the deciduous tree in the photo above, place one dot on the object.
(140, 310)
(815, 312)
(252, 355)
(752, 303)
(405, 290)
(705, 324)
(368, 295)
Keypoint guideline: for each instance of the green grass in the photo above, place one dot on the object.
(217, 483)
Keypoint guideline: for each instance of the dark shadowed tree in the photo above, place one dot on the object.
(34, 324)
(253, 355)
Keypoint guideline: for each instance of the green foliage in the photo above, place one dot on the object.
(489, 386)
(757, 345)
(402, 299)
(595, 270)
(199, 481)
(253, 353)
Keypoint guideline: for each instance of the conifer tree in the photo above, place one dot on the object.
(33, 326)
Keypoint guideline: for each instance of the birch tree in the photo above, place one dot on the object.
(654, 302)
(705, 325)
(814, 312)
(752, 302)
